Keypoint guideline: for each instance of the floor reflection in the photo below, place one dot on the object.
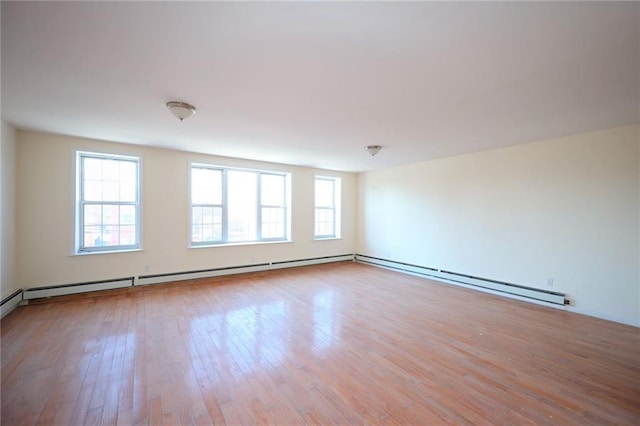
(258, 337)
(252, 335)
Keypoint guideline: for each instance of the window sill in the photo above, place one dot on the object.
(91, 253)
(246, 243)
(326, 238)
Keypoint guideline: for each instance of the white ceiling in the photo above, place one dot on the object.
(311, 83)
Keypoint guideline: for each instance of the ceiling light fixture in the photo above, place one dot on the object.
(373, 149)
(181, 110)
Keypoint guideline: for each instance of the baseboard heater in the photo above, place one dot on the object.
(242, 269)
(10, 302)
(63, 290)
(469, 280)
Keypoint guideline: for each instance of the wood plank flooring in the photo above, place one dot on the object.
(332, 344)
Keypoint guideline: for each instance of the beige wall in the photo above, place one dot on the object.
(46, 215)
(566, 209)
(8, 281)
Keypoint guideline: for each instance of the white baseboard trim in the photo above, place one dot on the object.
(311, 261)
(516, 291)
(193, 275)
(10, 302)
(63, 290)
(242, 269)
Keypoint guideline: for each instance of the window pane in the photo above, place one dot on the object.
(111, 215)
(92, 215)
(207, 215)
(324, 193)
(207, 233)
(111, 235)
(106, 181)
(196, 233)
(242, 205)
(128, 171)
(327, 203)
(127, 235)
(127, 192)
(272, 189)
(217, 215)
(216, 233)
(206, 186)
(233, 195)
(92, 236)
(92, 190)
(92, 168)
(206, 224)
(111, 170)
(324, 222)
(324, 229)
(273, 222)
(127, 215)
(110, 191)
(196, 215)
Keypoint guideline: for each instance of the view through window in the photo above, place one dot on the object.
(108, 202)
(327, 207)
(234, 205)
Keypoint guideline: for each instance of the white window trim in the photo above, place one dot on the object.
(192, 205)
(259, 206)
(78, 223)
(337, 208)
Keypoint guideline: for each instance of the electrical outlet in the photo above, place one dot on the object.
(549, 282)
(146, 268)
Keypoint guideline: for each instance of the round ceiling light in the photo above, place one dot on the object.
(373, 149)
(181, 110)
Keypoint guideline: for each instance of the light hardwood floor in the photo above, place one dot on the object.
(333, 344)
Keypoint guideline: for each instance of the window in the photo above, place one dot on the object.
(327, 202)
(108, 216)
(235, 206)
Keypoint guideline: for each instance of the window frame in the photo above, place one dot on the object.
(335, 208)
(284, 206)
(224, 241)
(79, 247)
(223, 178)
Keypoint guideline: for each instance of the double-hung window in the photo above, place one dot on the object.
(108, 203)
(237, 205)
(327, 207)
(273, 206)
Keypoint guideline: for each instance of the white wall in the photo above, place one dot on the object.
(566, 209)
(46, 215)
(8, 282)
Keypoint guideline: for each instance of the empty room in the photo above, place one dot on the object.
(284, 213)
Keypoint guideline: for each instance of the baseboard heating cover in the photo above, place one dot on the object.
(311, 261)
(10, 302)
(204, 273)
(242, 269)
(62, 290)
(469, 280)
